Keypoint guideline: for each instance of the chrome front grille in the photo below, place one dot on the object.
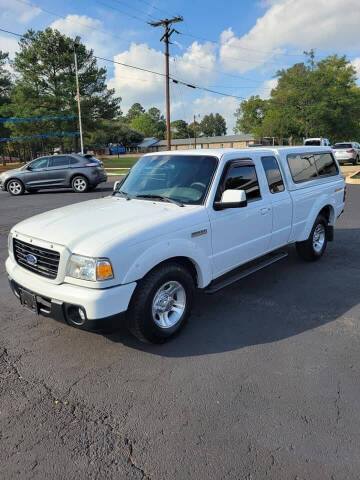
(43, 261)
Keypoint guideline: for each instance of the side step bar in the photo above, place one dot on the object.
(233, 277)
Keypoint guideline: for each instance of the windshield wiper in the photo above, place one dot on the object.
(126, 195)
(161, 197)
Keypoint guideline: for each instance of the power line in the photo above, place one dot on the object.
(174, 80)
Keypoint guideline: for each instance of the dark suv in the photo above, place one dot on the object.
(76, 171)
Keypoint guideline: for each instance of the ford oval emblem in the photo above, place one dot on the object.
(31, 259)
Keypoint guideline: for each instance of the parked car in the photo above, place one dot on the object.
(317, 142)
(79, 172)
(347, 152)
(178, 221)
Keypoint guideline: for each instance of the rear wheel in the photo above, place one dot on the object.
(79, 184)
(161, 303)
(15, 187)
(314, 247)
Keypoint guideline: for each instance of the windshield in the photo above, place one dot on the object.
(342, 145)
(183, 178)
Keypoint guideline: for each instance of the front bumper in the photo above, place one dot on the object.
(55, 300)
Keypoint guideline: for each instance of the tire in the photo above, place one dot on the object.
(15, 187)
(314, 247)
(91, 188)
(80, 184)
(152, 317)
(357, 160)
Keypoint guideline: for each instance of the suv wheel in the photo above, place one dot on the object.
(314, 247)
(15, 187)
(79, 184)
(161, 303)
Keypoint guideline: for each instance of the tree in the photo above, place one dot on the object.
(112, 131)
(134, 111)
(46, 86)
(250, 116)
(213, 125)
(180, 129)
(5, 90)
(312, 99)
(150, 124)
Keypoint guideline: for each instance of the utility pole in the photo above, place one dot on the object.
(194, 131)
(166, 39)
(76, 44)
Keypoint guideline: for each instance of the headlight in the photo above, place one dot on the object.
(87, 268)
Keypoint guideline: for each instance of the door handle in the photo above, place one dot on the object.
(265, 210)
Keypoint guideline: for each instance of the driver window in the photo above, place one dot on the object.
(243, 177)
(39, 163)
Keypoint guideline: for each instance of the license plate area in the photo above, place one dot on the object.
(28, 300)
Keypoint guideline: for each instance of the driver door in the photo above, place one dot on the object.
(36, 174)
(240, 234)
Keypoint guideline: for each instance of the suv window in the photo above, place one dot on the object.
(273, 174)
(39, 163)
(325, 165)
(342, 145)
(302, 167)
(59, 161)
(243, 177)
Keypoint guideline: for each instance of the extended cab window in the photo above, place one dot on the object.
(60, 161)
(273, 174)
(325, 164)
(302, 167)
(243, 177)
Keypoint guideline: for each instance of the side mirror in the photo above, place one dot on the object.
(116, 185)
(231, 199)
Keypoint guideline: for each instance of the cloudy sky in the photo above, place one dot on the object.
(233, 47)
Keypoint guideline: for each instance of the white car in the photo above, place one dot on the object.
(178, 221)
(347, 152)
(317, 142)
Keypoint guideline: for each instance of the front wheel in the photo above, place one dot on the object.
(314, 247)
(15, 187)
(79, 184)
(161, 303)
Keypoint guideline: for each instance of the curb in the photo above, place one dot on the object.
(350, 179)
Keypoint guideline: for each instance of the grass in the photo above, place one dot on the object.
(121, 162)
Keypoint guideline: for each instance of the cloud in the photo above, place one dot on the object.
(356, 65)
(204, 105)
(268, 85)
(11, 12)
(302, 24)
(149, 89)
(88, 29)
(9, 45)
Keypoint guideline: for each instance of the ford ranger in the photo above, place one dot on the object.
(179, 221)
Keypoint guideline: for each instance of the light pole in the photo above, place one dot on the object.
(76, 44)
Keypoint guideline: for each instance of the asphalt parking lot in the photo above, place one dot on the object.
(262, 383)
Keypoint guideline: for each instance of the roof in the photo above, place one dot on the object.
(219, 152)
(240, 137)
(147, 142)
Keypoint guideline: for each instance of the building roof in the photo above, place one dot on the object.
(240, 137)
(147, 142)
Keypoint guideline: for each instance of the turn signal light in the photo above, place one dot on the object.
(104, 270)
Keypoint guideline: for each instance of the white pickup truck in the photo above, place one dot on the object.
(178, 221)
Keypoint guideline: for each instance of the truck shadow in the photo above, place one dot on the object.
(286, 299)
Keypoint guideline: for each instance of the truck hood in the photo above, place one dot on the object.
(93, 227)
